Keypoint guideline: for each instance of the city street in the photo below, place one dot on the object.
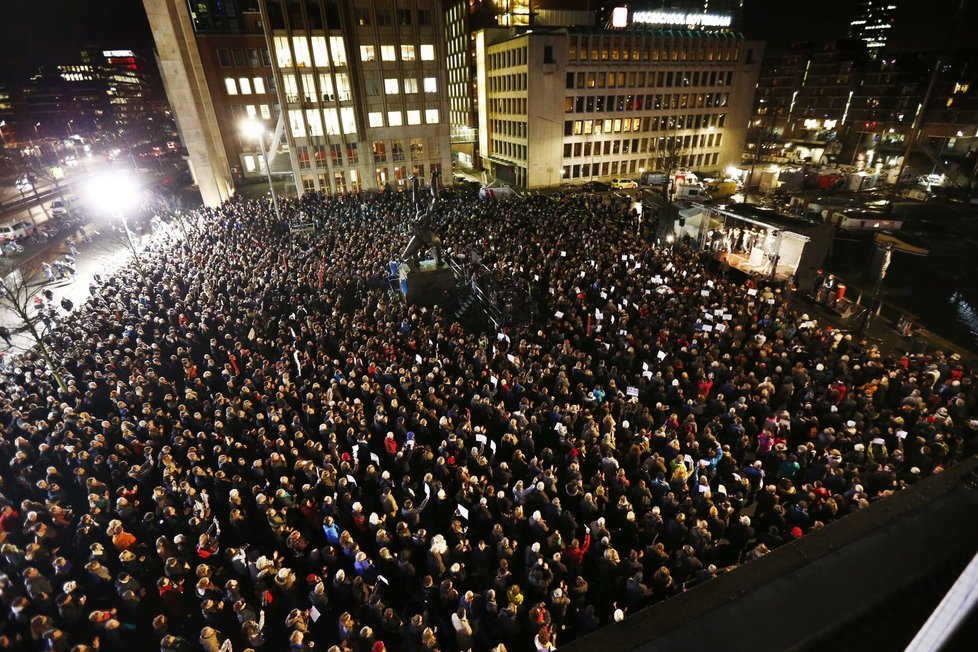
(103, 256)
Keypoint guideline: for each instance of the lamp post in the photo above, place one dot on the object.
(117, 193)
(255, 129)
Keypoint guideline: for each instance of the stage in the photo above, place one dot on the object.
(761, 268)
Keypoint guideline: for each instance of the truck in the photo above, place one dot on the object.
(721, 189)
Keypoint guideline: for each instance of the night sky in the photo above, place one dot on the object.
(36, 32)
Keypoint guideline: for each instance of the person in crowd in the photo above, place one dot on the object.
(259, 445)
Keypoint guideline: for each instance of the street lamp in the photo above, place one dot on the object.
(117, 193)
(255, 129)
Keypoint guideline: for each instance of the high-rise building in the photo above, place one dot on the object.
(106, 96)
(595, 103)
(805, 96)
(871, 23)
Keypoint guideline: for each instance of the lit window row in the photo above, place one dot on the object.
(306, 52)
(396, 118)
(368, 53)
(313, 122)
(245, 85)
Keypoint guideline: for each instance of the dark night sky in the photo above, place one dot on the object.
(35, 32)
(920, 24)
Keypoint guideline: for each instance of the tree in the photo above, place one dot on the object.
(18, 294)
(669, 154)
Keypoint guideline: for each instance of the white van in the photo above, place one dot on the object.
(694, 191)
(496, 193)
(62, 207)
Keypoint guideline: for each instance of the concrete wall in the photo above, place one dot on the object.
(189, 97)
(741, 103)
(545, 110)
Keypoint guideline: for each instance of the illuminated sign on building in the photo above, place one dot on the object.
(117, 53)
(619, 17)
(681, 18)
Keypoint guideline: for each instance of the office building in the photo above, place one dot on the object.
(352, 93)
(871, 23)
(578, 104)
(363, 89)
(463, 18)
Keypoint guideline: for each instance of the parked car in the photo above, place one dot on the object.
(596, 186)
(23, 184)
(16, 231)
(621, 182)
(62, 207)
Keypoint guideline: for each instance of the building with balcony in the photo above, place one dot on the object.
(804, 99)
(578, 104)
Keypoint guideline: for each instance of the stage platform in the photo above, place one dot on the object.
(743, 263)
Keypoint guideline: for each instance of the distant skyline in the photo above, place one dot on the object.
(34, 33)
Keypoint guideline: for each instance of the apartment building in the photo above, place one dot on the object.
(805, 96)
(583, 104)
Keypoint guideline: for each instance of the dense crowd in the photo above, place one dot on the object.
(262, 447)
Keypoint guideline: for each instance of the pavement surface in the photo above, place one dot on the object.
(104, 256)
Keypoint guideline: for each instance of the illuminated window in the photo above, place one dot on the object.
(259, 84)
(349, 120)
(368, 53)
(414, 117)
(266, 112)
(245, 84)
(301, 47)
(427, 52)
(249, 162)
(336, 46)
(230, 85)
(390, 86)
(388, 53)
(395, 119)
(407, 53)
(297, 124)
(314, 120)
(430, 85)
(332, 122)
(410, 86)
(319, 53)
(431, 116)
(375, 119)
(283, 55)
(251, 111)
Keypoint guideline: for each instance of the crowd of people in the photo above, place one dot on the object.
(259, 446)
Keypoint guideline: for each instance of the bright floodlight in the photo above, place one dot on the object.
(113, 193)
(252, 128)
